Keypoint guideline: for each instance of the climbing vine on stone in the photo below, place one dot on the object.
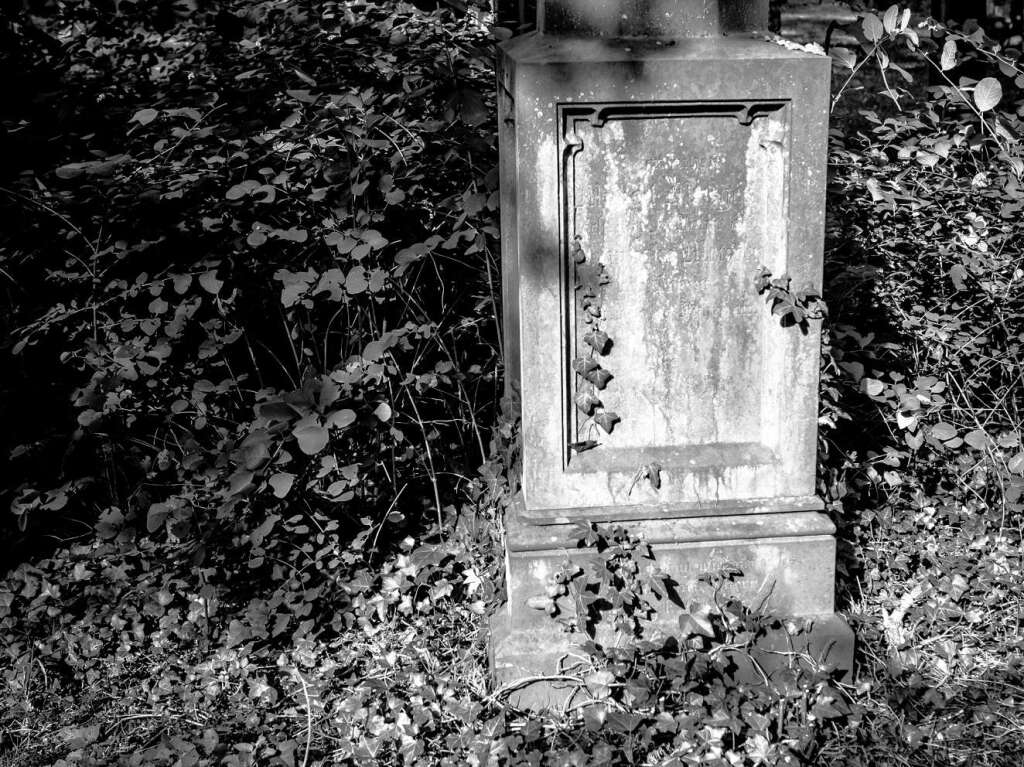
(791, 308)
(591, 277)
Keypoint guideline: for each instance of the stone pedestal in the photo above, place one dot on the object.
(650, 164)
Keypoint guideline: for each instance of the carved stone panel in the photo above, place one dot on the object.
(679, 202)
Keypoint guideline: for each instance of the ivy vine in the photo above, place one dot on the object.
(792, 308)
(591, 279)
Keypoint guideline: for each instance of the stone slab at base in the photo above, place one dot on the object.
(528, 664)
(787, 565)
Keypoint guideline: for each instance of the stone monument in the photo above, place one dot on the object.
(654, 155)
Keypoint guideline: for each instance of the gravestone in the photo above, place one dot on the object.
(654, 155)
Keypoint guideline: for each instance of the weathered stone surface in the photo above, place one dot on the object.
(651, 18)
(787, 565)
(786, 559)
(535, 667)
(683, 169)
(682, 164)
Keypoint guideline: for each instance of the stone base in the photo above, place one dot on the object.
(787, 565)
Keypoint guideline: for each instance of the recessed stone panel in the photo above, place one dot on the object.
(677, 200)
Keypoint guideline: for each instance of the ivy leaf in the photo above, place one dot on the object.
(383, 411)
(578, 256)
(697, 622)
(607, 420)
(584, 365)
(591, 277)
(586, 401)
(599, 377)
(281, 483)
(597, 340)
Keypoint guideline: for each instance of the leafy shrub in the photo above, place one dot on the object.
(251, 313)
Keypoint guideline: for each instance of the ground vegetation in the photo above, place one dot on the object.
(256, 449)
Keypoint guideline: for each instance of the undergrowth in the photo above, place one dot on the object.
(255, 455)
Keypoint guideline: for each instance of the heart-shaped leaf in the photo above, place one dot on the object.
(696, 623)
(597, 340)
(586, 401)
(584, 365)
(312, 438)
(281, 483)
(210, 283)
(872, 386)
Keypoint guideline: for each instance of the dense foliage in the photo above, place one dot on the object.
(255, 452)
